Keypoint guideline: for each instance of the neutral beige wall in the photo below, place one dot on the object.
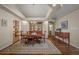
(45, 28)
(6, 32)
(73, 27)
(24, 26)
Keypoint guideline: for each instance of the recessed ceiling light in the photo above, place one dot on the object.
(54, 5)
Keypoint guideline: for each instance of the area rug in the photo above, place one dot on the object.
(42, 48)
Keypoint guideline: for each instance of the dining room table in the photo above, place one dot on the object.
(31, 39)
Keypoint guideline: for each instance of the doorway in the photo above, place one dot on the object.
(50, 29)
(35, 26)
(15, 30)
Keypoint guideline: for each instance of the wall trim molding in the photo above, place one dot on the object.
(66, 43)
(8, 46)
(74, 45)
(10, 11)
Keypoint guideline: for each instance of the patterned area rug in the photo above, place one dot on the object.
(42, 48)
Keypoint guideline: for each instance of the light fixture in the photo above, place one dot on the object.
(46, 21)
(24, 22)
(50, 25)
(54, 5)
(61, 5)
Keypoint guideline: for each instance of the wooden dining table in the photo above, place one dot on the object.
(30, 38)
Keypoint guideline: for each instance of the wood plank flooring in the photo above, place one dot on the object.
(64, 48)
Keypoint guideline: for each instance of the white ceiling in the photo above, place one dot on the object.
(64, 10)
(33, 10)
(41, 10)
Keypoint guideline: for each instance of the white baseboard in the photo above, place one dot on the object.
(70, 43)
(4, 46)
(74, 46)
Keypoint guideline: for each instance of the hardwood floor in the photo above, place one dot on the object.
(42, 48)
(64, 48)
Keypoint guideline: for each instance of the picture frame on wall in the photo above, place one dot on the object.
(3, 22)
(64, 24)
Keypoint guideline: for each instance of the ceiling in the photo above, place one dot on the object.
(41, 10)
(33, 10)
(64, 10)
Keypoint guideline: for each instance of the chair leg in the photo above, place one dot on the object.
(44, 40)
